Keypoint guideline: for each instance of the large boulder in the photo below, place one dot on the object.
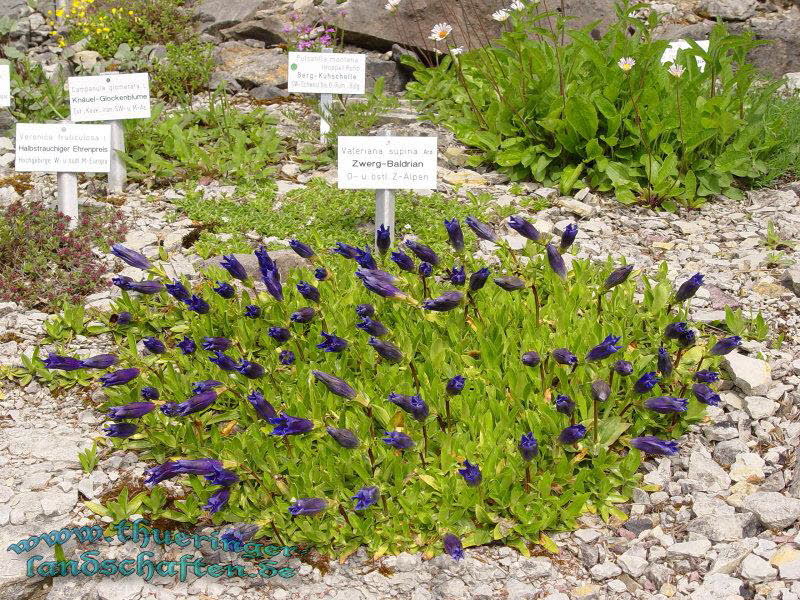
(251, 66)
(13, 8)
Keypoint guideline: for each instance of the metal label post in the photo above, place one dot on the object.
(118, 174)
(325, 103)
(384, 207)
(67, 193)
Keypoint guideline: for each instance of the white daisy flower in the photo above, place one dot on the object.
(501, 15)
(517, 5)
(675, 70)
(626, 63)
(456, 51)
(392, 5)
(440, 31)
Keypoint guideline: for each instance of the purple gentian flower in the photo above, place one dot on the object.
(471, 473)
(725, 346)
(531, 358)
(225, 290)
(705, 394)
(398, 440)
(564, 357)
(365, 259)
(568, 237)
(706, 376)
(307, 506)
(264, 409)
(556, 261)
(287, 425)
(423, 252)
(617, 276)
(303, 315)
(223, 361)
(445, 302)
(664, 362)
(645, 383)
(155, 346)
(269, 274)
(346, 250)
(198, 305)
(332, 343)
(232, 265)
(250, 369)
(203, 386)
(216, 343)
(509, 284)
(623, 368)
(413, 405)
(572, 434)
(482, 230)
(604, 349)
(366, 497)
(455, 385)
(321, 274)
(666, 405)
(478, 279)
(62, 363)
(388, 351)
(279, 334)
(222, 477)
(379, 282)
(689, 287)
(217, 501)
(308, 291)
(650, 444)
(344, 437)
(187, 345)
(335, 385)
(120, 377)
(564, 405)
(457, 276)
(301, 249)
(120, 430)
(252, 311)
(528, 446)
(131, 257)
(178, 291)
(192, 405)
(132, 410)
(524, 228)
(455, 234)
(601, 391)
(149, 393)
(372, 327)
(404, 261)
(365, 310)
(286, 357)
(101, 361)
(123, 318)
(452, 546)
(383, 239)
(425, 269)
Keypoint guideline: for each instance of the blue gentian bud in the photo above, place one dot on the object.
(235, 538)
(131, 257)
(664, 362)
(386, 350)
(192, 405)
(531, 358)
(123, 318)
(197, 466)
(232, 265)
(617, 276)
(216, 343)
(604, 349)
(568, 237)
(725, 346)
(302, 250)
(455, 385)
(132, 410)
(601, 391)
(321, 274)
(366, 497)
(383, 239)
(509, 284)
(666, 405)
(423, 252)
(675, 330)
(365, 310)
(404, 261)
(147, 287)
(120, 430)
(645, 383)
(452, 545)
(222, 477)
(161, 472)
(308, 291)
(457, 276)
(217, 501)
(199, 387)
(414, 405)
(250, 369)
(154, 345)
(344, 437)
(471, 473)
(225, 290)
(397, 440)
(478, 279)
(650, 444)
(120, 377)
(556, 261)
(286, 425)
(198, 305)
(564, 405)
(689, 287)
(62, 363)
(331, 343)
(252, 311)
(187, 345)
(223, 361)
(149, 393)
(454, 234)
(303, 315)
(706, 376)
(264, 409)
(365, 259)
(425, 269)
(372, 327)
(101, 361)
(379, 282)
(564, 357)
(286, 357)
(335, 385)
(688, 338)
(269, 274)
(525, 228)
(445, 302)
(482, 230)
(346, 250)
(308, 506)
(623, 368)
(572, 434)
(279, 334)
(528, 446)
(178, 291)
(705, 394)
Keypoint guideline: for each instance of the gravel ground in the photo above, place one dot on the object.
(721, 525)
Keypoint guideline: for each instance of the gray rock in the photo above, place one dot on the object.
(730, 556)
(633, 565)
(58, 503)
(728, 10)
(725, 528)
(267, 92)
(708, 473)
(751, 375)
(13, 8)
(718, 587)
(215, 15)
(755, 568)
(605, 570)
(759, 407)
(792, 276)
(638, 525)
(693, 548)
(774, 510)
(252, 67)
(285, 259)
(725, 452)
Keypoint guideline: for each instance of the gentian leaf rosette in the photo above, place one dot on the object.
(650, 444)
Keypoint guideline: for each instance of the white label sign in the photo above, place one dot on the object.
(5, 85)
(109, 97)
(391, 163)
(671, 53)
(327, 73)
(63, 148)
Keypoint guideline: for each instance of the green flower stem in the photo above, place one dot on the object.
(527, 477)
(535, 291)
(299, 348)
(424, 439)
(277, 534)
(343, 512)
(415, 376)
(686, 383)
(595, 416)
(371, 456)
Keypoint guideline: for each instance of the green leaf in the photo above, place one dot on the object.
(582, 116)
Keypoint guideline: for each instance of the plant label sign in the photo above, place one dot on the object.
(110, 97)
(63, 148)
(392, 163)
(5, 85)
(327, 73)
(671, 53)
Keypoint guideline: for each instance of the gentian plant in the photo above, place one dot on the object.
(400, 412)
